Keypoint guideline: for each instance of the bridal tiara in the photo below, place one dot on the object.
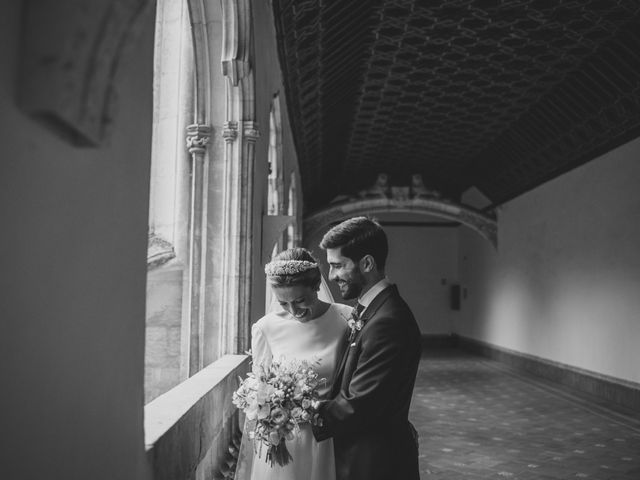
(279, 268)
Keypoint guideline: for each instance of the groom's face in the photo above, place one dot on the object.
(346, 273)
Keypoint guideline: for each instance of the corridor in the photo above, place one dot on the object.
(478, 418)
(156, 154)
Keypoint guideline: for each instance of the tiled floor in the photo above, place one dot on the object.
(480, 419)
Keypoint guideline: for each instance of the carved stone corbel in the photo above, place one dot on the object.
(70, 58)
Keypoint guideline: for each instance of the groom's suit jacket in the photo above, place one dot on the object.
(367, 415)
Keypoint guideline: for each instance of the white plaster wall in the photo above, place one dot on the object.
(564, 284)
(73, 243)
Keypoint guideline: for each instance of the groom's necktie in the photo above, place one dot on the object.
(357, 310)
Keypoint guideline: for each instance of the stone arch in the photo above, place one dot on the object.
(483, 223)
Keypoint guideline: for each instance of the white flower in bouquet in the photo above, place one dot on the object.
(277, 400)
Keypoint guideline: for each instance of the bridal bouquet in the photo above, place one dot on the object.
(277, 400)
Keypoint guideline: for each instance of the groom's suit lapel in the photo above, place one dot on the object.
(377, 302)
(368, 314)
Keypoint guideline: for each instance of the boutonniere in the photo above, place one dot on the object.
(355, 324)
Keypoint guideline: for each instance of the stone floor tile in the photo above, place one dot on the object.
(478, 419)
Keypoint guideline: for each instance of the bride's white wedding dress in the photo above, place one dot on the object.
(278, 335)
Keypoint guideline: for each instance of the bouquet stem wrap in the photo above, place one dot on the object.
(279, 454)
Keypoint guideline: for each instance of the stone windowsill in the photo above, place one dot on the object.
(186, 422)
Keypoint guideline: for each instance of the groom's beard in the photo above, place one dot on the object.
(351, 288)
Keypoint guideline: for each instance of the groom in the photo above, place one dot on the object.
(369, 404)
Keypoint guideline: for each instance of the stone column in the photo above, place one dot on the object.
(240, 134)
(251, 135)
(197, 140)
(240, 138)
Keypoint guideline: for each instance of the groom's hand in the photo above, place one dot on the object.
(320, 431)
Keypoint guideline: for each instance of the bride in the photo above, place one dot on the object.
(304, 328)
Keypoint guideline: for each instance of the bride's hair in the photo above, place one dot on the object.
(294, 266)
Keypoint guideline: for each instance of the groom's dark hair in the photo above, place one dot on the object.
(357, 237)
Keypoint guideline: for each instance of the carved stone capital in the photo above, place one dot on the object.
(230, 131)
(250, 131)
(159, 251)
(198, 137)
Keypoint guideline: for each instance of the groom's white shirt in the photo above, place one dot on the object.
(373, 292)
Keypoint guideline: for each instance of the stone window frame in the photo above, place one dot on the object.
(205, 177)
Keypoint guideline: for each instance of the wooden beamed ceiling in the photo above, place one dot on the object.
(498, 94)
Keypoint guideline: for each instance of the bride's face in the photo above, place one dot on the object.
(299, 301)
